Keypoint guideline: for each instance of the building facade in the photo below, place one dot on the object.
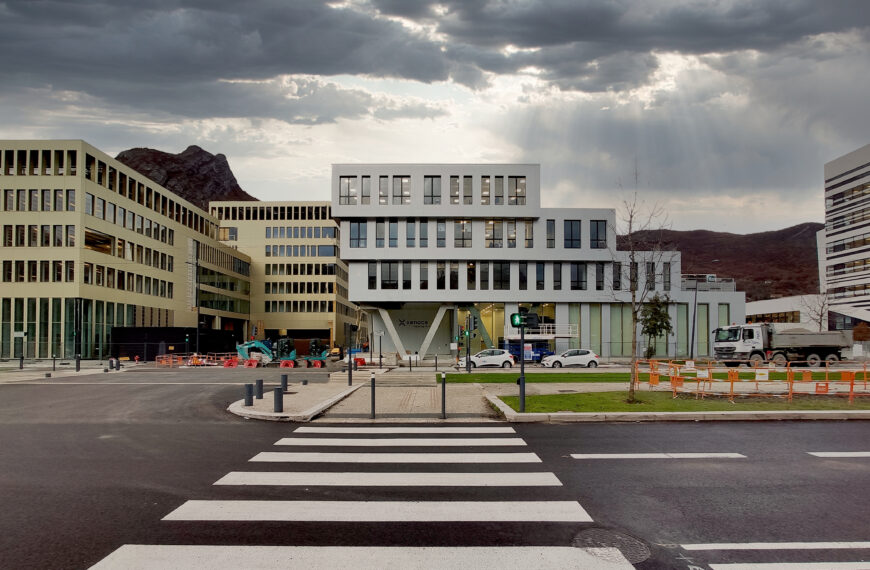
(90, 244)
(844, 243)
(300, 281)
(427, 245)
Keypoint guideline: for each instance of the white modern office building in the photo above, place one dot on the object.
(429, 244)
(844, 243)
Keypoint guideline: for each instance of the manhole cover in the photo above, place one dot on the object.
(632, 548)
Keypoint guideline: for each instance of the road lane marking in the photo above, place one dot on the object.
(391, 479)
(792, 566)
(775, 546)
(840, 453)
(316, 457)
(658, 456)
(381, 511)
(148, 557)
(432, 430)
(404, 442)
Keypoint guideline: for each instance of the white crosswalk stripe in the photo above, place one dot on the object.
(506, 471)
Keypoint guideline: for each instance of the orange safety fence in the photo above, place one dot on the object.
(231, 363)
(251, 363)
(287, 364)
(169, 360)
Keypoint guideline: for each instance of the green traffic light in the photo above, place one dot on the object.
(516, 319)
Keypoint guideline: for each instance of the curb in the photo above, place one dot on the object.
(238, 408)
(566, 417)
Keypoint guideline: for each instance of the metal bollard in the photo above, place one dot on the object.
(305, 382)
(349, 371)
(436, 363)
(53, 362)
(21, 363)
(372, 416)
(355, 364)
(443, 396)
(279, 400)
(410, 364)
(78, 362)
(249, 394)
(259, 391)
(284, 382)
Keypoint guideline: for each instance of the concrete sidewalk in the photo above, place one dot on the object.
(60, 368)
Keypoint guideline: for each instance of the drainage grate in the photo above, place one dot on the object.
(634, 549)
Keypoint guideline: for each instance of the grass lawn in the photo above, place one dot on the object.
(511, 377)
(665, 402)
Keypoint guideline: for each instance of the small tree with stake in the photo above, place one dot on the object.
(655, 321)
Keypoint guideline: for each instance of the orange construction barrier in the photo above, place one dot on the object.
(287, 364)
(317, 364)
(231, 363)
(251, 363)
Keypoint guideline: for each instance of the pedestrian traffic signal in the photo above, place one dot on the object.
(473, 322)
(528, 320)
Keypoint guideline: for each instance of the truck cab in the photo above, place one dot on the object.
(740, 343)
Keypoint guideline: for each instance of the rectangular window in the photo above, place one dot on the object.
(666, 276)
(617, 276)
(599, 276)
(529, 233)
(557, 276)
(401, 190)
(9, 200)
(431, 189)
(454, 190)
(347, 190)
(441, 233)
(467, 191)
(501, 275)
(34, 200)
(89, 204)
(46, 200)
(551, 233)
(58, 200)
(358, 234)
(424, 275)
(424, 232)
(471, 276)
(572, 234)
(598, 234)
(517, 190)
(406, 275)
(539, 276)
(650, 275)
(493, 235)
(462, 233)
(454, 275)
(498, 191)
(366, 194)
(394, 232)
(410, 233)
(511, 233)
(484, 190)
(383, 190)
(440, 278)
(70, 200)
(578, 276)
(524, 275)
(389, 275)
(484, 275)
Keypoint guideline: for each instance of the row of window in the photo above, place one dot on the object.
(306, 269)
(110, 245)
(358, 189)
(101, 276)
(298, 306)
(23, 162)
(298, 288)
(848, 219)
(849, 291)
(223, 259)
(498, 233)
(848, 267)
(112, 179)
(848, 243)
(44, 200)
(39, 235)
(242, 213)
(398, 275)
(128, 219)
(300, 232)
(301, 251)
(38, 271)
(211, 278)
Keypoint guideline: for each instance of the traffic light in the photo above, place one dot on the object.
(186, 337)
(531, 320)
(464, 331)
(528, 320)
(516, 319)
(473, 322)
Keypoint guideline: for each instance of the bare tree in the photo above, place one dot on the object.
(816, 308)
(641, 242)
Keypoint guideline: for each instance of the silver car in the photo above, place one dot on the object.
(490, 357)
(572, 357)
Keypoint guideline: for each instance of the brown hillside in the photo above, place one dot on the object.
(765, 265)
(195, 174)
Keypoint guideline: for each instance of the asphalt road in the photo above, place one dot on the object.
(88, 467)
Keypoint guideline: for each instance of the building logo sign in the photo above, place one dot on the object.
(414, 324)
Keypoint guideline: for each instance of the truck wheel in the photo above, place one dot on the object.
(779, 359)
(813, 360)
(756, 360)
(832, 358)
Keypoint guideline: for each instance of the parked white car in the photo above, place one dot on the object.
(490, 357)
(573, 357)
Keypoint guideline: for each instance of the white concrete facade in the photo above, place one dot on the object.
(426, 243)
(844, 243)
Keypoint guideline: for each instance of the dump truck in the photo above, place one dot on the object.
(758, 344)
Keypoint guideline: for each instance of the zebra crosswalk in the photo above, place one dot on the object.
(420, 483)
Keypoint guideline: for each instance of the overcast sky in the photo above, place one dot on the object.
(727, 111)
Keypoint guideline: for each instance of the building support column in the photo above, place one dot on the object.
(433, 328)
(391, 330)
